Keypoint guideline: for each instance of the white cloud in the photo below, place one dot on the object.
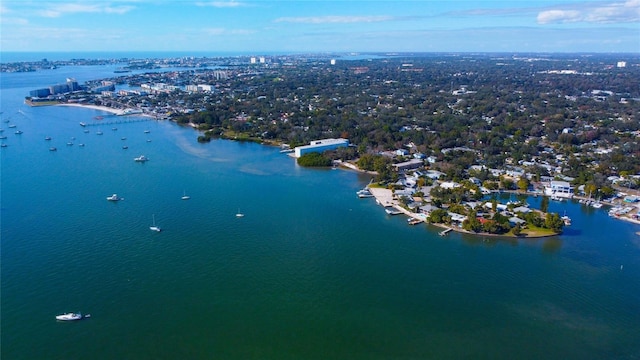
(74, 8)
(223, 4)
(335, 19)
(614, 12)
(555, 16)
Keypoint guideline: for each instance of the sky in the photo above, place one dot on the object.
(296, 26)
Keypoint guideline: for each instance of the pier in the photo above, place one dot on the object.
(113, 122)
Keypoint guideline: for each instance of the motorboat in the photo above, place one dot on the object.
(141, 158)
(52, 149)
(114, 197)
(392, 211)
(364, 193)
(47, 138)
(70, 317)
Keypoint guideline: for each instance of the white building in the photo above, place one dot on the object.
(559, 188)
(320, 146)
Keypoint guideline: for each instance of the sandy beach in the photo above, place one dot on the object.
(94, 107)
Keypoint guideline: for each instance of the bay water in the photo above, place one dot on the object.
(310, 272)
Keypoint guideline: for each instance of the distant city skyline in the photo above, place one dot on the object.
(320, 26)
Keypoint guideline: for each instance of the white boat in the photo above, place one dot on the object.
(114, 197)
(392, 211)
(596, 205)
(185, 196)
(239, 214)
(154, 227)
(70, 317)
(364, 193)
(141, 158)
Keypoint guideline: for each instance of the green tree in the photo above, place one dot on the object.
(544, 204)
(553, 222)
(523, 184)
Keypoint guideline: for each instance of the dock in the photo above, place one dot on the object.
(114, 122)
(445, 232)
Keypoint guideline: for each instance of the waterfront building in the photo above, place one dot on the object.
(408, 165)
(59, 89)
(40, 93)
(72, 84)
(320, 146)
(559, 188)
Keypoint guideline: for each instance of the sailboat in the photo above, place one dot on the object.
(239, 214)
(154, 227)
(185, 196)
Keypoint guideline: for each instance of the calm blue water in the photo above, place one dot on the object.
(311, 271)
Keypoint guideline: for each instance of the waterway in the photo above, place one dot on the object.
(310, 272)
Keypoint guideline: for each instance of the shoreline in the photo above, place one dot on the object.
(112, 111)
(93, 107)
(384, 197)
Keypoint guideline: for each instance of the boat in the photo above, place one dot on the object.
(12, 126)
(114, 197)
(52, 148)
(566, 220)
(98, 132)
(154, 227)
(71, 317)
(80, 145)
(48, 138)
(392, 211)
(3, 145)
(185, 196)
(414, 221)
(147, 131)
(3, 137)
(141, 158)
(239, 214)
(364, 193)
(18, 132)
(82, 124)
(69, 143)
